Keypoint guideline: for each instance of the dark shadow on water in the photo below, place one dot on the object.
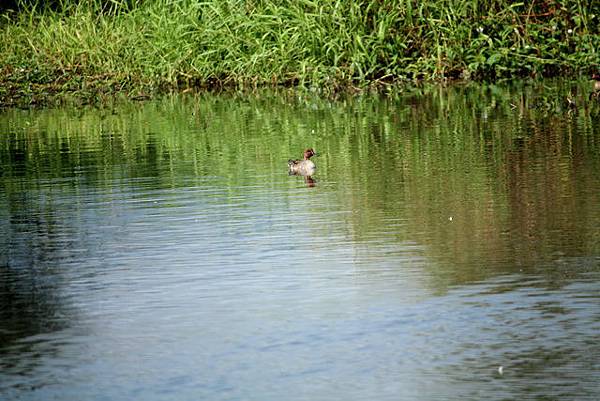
(32, 281)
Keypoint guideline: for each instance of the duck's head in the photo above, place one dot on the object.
(308, 153)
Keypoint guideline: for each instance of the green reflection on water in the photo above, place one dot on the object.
(485, 178)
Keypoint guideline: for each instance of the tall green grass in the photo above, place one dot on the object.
(144, 46)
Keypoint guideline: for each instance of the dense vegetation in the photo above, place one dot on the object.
(91, 48)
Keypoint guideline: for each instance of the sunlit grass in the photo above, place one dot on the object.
(141, 47)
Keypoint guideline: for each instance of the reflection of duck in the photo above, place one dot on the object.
(303, 167)
(310, 182)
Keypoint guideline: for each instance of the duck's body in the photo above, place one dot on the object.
(305, 166)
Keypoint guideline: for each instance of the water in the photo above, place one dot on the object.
(160, 251)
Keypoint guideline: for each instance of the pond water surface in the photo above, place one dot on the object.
(448, 247)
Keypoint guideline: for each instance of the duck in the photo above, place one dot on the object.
(596, 90)
(305, 166)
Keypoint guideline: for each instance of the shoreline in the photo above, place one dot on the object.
(90, 53)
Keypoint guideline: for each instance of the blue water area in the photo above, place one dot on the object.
(447, 247)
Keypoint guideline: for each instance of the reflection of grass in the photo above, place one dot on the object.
(516, 178)
(462, 127)
(93, 48)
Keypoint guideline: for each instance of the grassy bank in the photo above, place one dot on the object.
(91, 49)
